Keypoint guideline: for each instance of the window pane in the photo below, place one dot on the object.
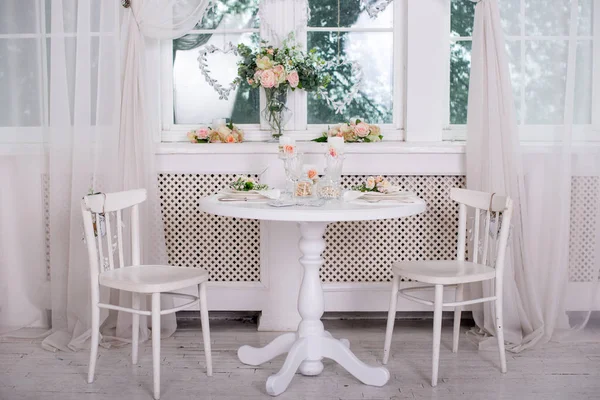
(325, 13)
(374, 52)
(462, 14)
(583, 83)
(194, 100)
(231, 14)
(19, 16)
(460, 70)
(586, 21)
(20, 87)
(510, 12)
(545, 81)
(544, 20)
(513, 51)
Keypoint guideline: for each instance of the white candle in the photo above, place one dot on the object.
(217, 122)
(336, 142)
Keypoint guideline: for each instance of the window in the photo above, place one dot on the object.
(22, 52)
(194, 100)
(25, 55)
(535, 34)
(342, 32)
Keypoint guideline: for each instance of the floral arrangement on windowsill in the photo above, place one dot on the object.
(355, 131)
(376, 184)
(226, 133)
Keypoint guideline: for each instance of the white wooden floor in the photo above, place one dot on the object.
(569, 371)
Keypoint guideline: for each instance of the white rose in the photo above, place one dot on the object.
(370, 182)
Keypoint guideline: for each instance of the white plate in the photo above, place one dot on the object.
(251, 194)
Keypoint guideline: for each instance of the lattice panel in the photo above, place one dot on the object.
(364, 251)
(584, 217)
(229, 248)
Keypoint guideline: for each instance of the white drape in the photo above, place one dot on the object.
(98, 135)
(537, 274)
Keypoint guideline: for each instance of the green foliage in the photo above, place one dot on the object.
(246, 184)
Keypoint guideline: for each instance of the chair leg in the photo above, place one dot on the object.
(156, 343)
(437, 332)
(391, 318)
(205, 327)
(135, 327)
(94, 342)
(457, 316)
(500, 331)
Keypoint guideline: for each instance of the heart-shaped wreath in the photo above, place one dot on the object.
(222, 91)
(356, 76)
(374, 7)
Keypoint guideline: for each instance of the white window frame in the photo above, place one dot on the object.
(283, 15)
(531, 132)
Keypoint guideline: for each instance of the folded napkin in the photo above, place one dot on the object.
(272, 194)
(351, 195)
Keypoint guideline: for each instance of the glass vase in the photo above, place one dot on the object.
(276, 113)
(334, 165)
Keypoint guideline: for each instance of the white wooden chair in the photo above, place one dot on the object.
(98, 211)
(442, 273)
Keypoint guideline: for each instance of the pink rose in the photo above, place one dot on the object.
(250, 81)
(230, 139)
(333, 152)
(289, 149)
(362, 130)
(279, 73)
(192, 136)
(293, 79)
(268, 79)
(312, 174)
(257, 75)
(202, 133)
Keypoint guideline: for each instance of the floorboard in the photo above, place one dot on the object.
(558, 371)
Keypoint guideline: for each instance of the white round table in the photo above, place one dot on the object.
(307, 347)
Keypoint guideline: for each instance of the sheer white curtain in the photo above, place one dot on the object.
(555, 234)
(78, 89)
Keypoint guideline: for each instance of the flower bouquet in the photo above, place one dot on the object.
(247, 184)
(276, 70)
(354, 131)
(226, 133)
(376, 184)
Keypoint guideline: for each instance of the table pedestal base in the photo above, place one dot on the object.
(304, 356)
(306, 348)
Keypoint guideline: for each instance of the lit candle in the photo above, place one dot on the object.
(217, 122)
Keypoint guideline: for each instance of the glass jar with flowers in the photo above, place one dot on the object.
(277, 69)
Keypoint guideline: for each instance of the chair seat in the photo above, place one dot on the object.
(443, 272)
(152, 278)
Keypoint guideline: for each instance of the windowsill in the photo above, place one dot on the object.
(385, 147)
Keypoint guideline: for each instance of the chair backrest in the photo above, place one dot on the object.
(103, 228)
(497, 213)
